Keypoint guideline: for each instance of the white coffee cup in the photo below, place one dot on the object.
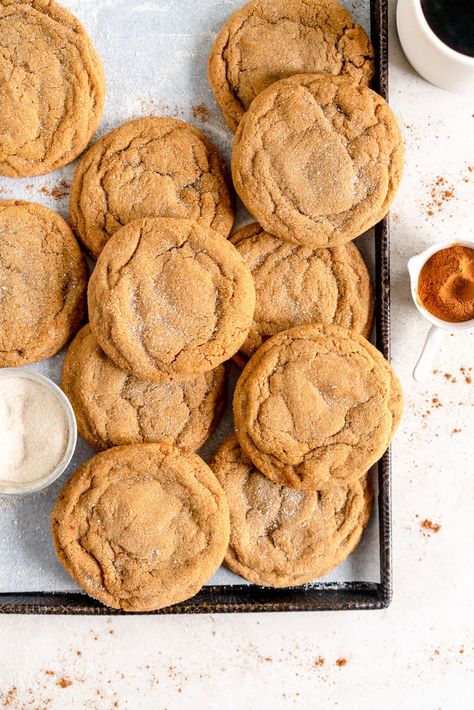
(428, 55)
(439, 327)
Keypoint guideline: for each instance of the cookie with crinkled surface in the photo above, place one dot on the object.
(279, 536)
(114, 408)
(296, 285)
(150, 167)
(43, 280)
(141, 527)
(317, 159)
(169, 299)
(52, 87)
(267, 40)
(315, 404)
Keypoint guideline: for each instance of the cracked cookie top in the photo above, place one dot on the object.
(113, 408)
(268, 40)
(52, 87)
(169, 299)
(316, 403)
(43, 278)
(279, 536)
(317, 159)
(296, 285)
(150, 167)
(141, 527)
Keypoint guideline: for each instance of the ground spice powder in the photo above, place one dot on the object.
(446, 284)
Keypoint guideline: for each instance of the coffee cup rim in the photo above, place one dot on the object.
(439, 44)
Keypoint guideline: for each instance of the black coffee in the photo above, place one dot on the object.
(453, 22)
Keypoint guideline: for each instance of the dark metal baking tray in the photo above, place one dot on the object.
(245, 598)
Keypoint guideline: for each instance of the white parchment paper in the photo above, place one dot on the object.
(155, 57)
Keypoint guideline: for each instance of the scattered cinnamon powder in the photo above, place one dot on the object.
(431, 527)
(341, 662)
(440, 193)
(201, 113)
(8, 696)
(319, 661)
(448, 376)
(153, 107)
(58, 191)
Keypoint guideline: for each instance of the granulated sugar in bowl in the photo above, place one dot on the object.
(37, 431)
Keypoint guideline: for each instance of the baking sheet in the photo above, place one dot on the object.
(155, 58)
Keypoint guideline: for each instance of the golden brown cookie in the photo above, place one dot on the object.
(150, 167)
(113, 408)
(169, 299)
(43, 278)
(281, 537)
(52, 87)
(317, 159)
(316, 403)
(296, 285)
(267, 40)
(141, 527)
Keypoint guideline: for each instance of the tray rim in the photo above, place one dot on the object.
(250, 598)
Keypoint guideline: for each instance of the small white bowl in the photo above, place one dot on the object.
(439, 327)
(11, 488)
(428, 55)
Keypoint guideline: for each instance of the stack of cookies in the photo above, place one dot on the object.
(170, 298)
(145, 523)
(317, 158)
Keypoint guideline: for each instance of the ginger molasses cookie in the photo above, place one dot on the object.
(267, 40)
(43, 279)
(141, 527)
(314, 404)
(52, 87)
(151, 167)
(169, 299)
(296, 285)
(280, 537)
(317, 159)
(113, 408)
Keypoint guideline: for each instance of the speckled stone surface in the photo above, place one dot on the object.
(418, 653)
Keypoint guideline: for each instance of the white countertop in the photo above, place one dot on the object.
(416, 654)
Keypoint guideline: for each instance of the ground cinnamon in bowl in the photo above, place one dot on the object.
(446, 284)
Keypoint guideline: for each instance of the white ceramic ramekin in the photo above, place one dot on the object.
(439, 327)
(9, 488)
(428, 55)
